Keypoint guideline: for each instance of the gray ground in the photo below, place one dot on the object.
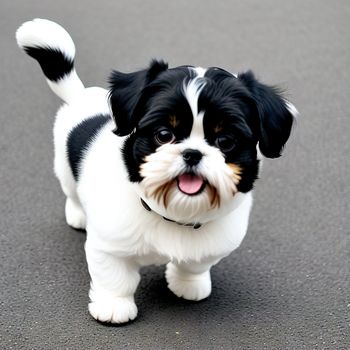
(287, 286)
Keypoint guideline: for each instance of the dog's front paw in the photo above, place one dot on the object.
(187, 285)
(75, 215)
(112, 309)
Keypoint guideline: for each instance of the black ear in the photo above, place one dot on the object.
(276, 115)
(125, 92)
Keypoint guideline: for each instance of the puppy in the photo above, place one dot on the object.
(159, 169)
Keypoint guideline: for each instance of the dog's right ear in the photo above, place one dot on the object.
(275, 115)
(125, 92)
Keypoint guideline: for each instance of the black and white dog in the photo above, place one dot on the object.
(160, 169)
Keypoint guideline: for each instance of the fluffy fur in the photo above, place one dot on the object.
(159, 169)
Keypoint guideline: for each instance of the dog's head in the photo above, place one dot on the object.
(193, 135)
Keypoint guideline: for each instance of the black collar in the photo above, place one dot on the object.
(193, 225)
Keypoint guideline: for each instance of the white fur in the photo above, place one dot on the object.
(121, 235)
(45, 33)
(193, 89)
(292, 109)
(197, 127)
(68, 87)
(167, 163)
(186, 283)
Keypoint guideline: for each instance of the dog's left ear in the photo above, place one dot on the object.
(276, 115)
(125, 93)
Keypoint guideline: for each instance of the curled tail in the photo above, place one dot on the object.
(54, 49)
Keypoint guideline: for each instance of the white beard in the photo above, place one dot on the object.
(159, 184)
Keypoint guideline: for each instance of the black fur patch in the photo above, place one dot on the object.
(125, 94)
(54, 63)
(80, 138)
(275, 120)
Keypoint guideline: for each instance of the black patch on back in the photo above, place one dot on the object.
(80, 138)
(54, 63)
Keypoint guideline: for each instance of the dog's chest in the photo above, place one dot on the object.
(152, 259)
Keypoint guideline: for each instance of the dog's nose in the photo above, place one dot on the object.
(192, 156)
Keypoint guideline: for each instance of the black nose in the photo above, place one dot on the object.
(192, 156)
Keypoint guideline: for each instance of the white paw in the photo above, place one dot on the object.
(75, 215)
(110, 309)
(186, 285)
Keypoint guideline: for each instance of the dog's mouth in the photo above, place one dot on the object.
(191, 184)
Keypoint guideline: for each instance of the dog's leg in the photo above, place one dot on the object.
(75, 215)
(113, 283)
(190, 281)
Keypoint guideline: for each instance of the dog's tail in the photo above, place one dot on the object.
(54, 49)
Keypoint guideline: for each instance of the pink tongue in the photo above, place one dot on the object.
(190, 184)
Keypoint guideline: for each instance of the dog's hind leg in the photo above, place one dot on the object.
(75, 215)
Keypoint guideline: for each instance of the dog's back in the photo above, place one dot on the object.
(82, 116)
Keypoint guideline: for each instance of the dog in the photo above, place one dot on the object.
(160, 169)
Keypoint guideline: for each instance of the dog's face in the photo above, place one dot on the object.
(193, 135)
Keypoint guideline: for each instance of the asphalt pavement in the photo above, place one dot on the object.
(287, 286)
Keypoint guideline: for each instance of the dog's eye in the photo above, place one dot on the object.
(164, 136)
(226, 143)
